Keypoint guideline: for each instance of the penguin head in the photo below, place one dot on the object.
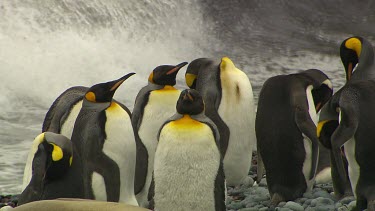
(104, 92)
(54, 155)
(190, 102)
(193, 69)
(165, 74)
(322, 87)
(350, 52)
(327, 124)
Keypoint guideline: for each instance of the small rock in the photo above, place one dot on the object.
(293, 206)
(347, 200)
(248, 209)
(235, 206)
(281, 204)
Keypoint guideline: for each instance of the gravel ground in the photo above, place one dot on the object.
(256, 197)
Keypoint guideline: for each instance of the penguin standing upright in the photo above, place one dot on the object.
(188, 169)
(228, 96)
(286, 131)
(105, 140)
(354, 104)
(56, 170)
(154, 104)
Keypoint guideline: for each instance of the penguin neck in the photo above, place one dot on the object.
(365, 69)
(158, 86)
(95, 105)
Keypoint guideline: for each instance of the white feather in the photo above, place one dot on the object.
(186, 165)
(160, 107)
(238, 113)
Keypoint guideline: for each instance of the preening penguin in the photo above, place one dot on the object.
(354, 103)
(188, 171)
(52, 171)
(154, 104)
(105, 139)
(286, 131)
(228, 96)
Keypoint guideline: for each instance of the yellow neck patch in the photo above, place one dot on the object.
(168, 87)
(90, 96)
(354, 44)
(319, 127)
(114, 106)
(57, 153)
(70, 160)
(189, 79)
(186, 122)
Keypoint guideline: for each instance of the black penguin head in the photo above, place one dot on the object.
(104, 92)
(193, 69)
(54, 156)
(350, 52)
(190, 102)
(165, 74)
(322, 87)
(328, 122)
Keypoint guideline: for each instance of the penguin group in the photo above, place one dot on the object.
(180, 149)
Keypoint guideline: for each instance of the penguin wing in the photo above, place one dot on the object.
(60, 107)
(212, 125)
(139, 105)
(211, 111)
(142, 154)
(348, 104)
(308, 128)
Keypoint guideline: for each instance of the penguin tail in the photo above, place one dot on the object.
(276, 199)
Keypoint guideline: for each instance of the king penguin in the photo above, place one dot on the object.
(105, 139)
(354, 104)
(54, 172)
(188, 169)
(228, 96)
(286, 131)
(154, 104)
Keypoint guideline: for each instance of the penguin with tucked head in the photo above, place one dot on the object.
(54, 172)
(228, 96)
(188, 169)
(354, 104)
(286, 131)
(154, 104)
(106, 142)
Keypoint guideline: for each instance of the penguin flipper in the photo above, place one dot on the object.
(346, 129)
(139, 105)
(308, 128)
(140, 165)
(213, 114)
(219, 191)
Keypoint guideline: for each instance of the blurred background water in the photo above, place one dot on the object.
(49, 46)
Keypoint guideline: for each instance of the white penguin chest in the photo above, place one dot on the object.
(237, 111)
(353, 166)
(187, 157)
(160, 107)
(120, 147)
(307, 164)
(68, 125)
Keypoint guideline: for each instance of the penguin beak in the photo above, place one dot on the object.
(176, 68)
(188, 97)
(350, 70)
(119, 81)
